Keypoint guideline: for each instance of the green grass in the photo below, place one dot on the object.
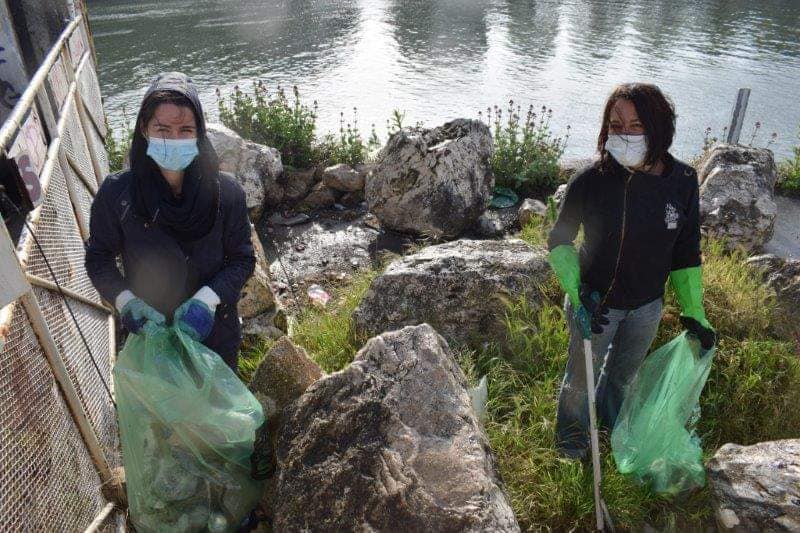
(328, 334)
(751, 395)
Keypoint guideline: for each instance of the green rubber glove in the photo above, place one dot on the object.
(688, 286)
(564, 260)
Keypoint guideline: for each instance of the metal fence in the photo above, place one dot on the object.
(59, 444)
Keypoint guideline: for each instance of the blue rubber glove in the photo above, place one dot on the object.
(195, 316)
(135, 313)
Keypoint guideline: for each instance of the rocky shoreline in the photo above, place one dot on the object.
(419, 214)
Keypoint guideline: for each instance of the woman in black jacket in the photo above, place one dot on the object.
(180, 225)
(639, 210)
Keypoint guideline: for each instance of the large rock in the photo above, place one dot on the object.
(343, 178)
(320, 197)
(529, 209)
(434, 182)
(282, 376)
(284, 373)
(390, 443)
(783, 276)
(459, 287)
(257, 167)
(736, 195)
(496, 222)
(298, 183)
(256, 297)
(757, 488)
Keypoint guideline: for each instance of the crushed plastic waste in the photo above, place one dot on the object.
(187, 426)
(318, 295)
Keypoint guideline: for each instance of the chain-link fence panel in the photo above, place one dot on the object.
(47, 480)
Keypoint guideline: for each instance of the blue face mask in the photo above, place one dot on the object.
(172, 154)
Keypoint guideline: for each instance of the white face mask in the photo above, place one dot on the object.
(628, 150)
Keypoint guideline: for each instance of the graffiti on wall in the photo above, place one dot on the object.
(30, 151)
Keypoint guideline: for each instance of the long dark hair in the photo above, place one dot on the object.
(656, 113)
(141, 163)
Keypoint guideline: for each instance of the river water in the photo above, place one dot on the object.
(440, 59)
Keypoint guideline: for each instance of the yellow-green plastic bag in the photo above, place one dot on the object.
(653, 438)
(187, 426)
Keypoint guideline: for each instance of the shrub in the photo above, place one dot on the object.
(272, 120)
(118, 149)
(348, 147)
(526, 154)
(789, 173)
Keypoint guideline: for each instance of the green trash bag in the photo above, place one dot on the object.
(653, 438)
(187, 426)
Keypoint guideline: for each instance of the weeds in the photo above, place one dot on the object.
(118, 148)
(349, 147)
(273, 120)
(789, 173)
(526, 153)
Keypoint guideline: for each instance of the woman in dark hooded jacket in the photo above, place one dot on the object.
(179, 224)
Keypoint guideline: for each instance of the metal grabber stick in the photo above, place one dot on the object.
(598, 501)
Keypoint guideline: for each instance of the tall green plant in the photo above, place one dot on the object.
(274, 120)
(789, 172)
(349, 146)
(526, 152)
(118, 148)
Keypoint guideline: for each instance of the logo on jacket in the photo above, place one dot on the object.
(671, 217)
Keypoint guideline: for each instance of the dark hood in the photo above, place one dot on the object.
(193, 215)
(182, 84)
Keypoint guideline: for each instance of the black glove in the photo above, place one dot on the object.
(706, 336)
(591, 302)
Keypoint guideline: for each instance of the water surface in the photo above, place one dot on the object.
(441, 59)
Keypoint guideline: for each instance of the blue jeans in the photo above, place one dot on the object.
(618, 351)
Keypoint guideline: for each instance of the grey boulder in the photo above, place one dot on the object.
(390, 443)
(460, 288)
(433, 182)
(257, 168)
(756, 488)
(737, 195)
(343, 177)
(783, 276)
(530, 209)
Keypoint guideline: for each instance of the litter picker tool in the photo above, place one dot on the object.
(602, 515)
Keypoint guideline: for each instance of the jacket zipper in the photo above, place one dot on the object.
(621, 241)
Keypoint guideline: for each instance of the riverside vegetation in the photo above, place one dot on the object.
(526, 152)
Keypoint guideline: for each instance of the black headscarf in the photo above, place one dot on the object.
(194, 214)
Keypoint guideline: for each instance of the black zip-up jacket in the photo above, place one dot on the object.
(164, 272)
(661, 229)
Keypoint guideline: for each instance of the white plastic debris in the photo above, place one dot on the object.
(478, 396)
(318, 295)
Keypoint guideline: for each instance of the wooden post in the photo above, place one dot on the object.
(737, 116)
